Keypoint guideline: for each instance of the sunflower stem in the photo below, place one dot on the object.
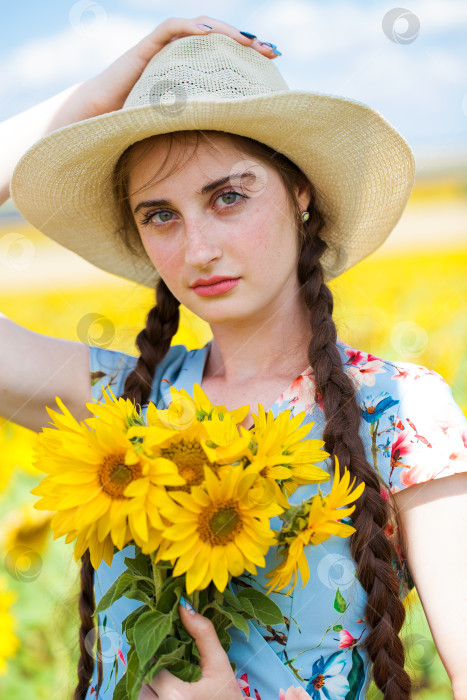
(158, 577)
(196, 600)
(219, 597)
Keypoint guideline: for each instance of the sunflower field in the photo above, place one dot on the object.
(401, 304)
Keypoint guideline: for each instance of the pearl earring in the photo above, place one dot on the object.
(305, 215)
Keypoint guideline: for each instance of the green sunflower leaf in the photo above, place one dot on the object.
(265, 610)
(140, 564)
(234, 618)
(120, 692)
(231, 599)
(239, 622)
(170, 594)
(133, 676)
(164, 661)
(186, 671)
(116, 590)
(130, 619)
(247, 607)
(149, 632)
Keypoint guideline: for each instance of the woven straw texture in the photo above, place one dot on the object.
(362, 167)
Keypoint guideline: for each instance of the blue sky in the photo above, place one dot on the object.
(410, 65)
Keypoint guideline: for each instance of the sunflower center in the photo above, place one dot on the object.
(115, 475)
(190, 459)
(318, 681)
(220, 522)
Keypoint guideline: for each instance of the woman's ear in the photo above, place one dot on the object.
(303, 193)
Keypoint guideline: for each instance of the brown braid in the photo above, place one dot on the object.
(87, 631)
(370, 545)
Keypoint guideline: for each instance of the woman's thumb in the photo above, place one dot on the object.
(203, 632)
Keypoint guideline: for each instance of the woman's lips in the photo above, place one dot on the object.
(209, 290)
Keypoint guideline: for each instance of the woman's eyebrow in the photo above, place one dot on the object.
(209, 187)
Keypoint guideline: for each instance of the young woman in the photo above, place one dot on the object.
(277, 192)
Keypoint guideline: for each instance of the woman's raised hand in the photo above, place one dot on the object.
(105, 92)
(109, 90)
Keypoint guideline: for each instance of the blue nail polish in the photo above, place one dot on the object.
(248, 35)
(187, 606)
(267, 43)
(278, 53)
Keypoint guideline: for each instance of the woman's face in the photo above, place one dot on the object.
(242, 229)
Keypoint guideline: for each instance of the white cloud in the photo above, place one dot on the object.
(336, 47)
(73, 55)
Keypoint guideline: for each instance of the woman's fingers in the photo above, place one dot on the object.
(176, 27)
(214, 660)
(109, 89)
(223, 28)
(216, 671)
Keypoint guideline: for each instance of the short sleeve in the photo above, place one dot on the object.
(111, 367)
(108, 367)
(430, 432)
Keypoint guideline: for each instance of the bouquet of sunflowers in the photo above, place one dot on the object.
(194, 493)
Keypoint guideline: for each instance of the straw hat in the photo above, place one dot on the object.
(362, 167)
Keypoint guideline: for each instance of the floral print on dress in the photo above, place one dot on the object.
(327, 680)
(412, 431)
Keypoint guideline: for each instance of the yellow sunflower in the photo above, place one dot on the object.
(184, 410)
(99, 482)
(282, 453)
(312, 524)
(9, 642)
(190, 443)
(118, 413)
(217, 530)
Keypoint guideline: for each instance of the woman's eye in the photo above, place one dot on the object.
(229, 194)
(151, 216)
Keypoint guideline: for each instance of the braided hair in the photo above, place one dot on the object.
(370, 545)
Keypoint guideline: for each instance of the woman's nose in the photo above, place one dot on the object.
(200, 249)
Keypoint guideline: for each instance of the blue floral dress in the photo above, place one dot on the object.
(412, 430)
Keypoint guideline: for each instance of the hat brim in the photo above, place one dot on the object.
(362, 167)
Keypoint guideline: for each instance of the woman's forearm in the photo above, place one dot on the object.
(18, 133)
